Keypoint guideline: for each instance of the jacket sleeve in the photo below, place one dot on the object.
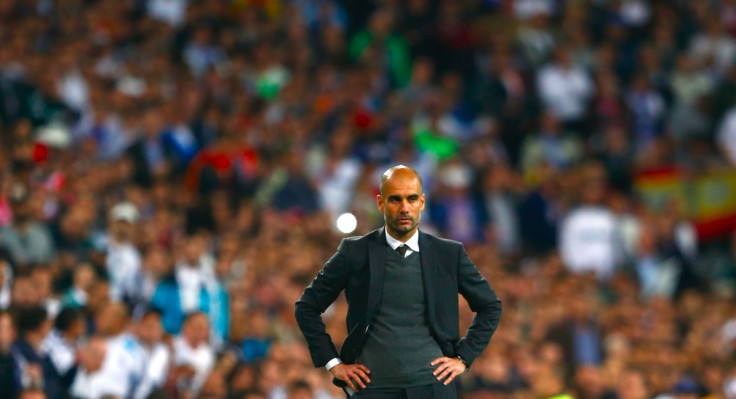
(315, 299)
(484, 302)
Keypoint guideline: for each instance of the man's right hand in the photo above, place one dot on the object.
(352, 374)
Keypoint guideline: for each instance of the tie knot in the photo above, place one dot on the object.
(402, 249)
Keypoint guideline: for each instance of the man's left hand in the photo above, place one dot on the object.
(448, 369)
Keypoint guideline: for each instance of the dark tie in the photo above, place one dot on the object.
(402, 250)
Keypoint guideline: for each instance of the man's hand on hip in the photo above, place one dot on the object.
(448, 369)
(352, 374)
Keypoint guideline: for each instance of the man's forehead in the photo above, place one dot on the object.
(407, 185)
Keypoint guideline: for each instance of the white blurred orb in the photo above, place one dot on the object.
(347, 223)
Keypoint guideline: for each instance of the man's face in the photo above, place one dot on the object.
(150, 328)
(196, 330)
(401, 203)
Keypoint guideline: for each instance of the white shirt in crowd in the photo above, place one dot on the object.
(726, 135)
(589, 241)
(173, 12)
(121, 371)
(201, 359)
(192, 279)
(123, 264)
(6, 286)
(565, 91)
(157, 359)
(62, 353)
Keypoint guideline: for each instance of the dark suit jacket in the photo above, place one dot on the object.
(358, 268)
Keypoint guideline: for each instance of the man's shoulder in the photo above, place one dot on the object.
(373, 235)
(438, 242)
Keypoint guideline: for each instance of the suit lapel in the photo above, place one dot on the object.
(428, 260)
(377, 264)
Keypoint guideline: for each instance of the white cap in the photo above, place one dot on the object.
(125, 211)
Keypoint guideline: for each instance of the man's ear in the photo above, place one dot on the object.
(423, 201)
(379, 202)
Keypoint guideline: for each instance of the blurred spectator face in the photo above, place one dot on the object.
(32, 394)
(74, 225)
(196, 330)
(157, 262)
(77, 329)
(243, 378)
(41, 278)
(594, 191)
(381, 22)
(300, 393)
(7, 332)
(122, 229)
(24, 293)
(20, 202)
(580, 309)
(202, 36)
(92, 355)
(549, 124)
(422, 72)
(84, 277)
(111, 319)
(150, 330)
(152, 124)
(562, 57)
(551, 353)
(214, 388)
(589, 382)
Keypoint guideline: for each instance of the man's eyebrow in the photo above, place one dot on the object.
(397, 196)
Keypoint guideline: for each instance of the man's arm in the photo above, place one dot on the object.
(484, 302)
(319, 295)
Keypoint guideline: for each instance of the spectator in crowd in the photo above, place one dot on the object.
(33, 327)
(60, 349)
(589, 239)
(28, 239)
(149, 334)
(123, 260)
(9, 370)
(193, 355)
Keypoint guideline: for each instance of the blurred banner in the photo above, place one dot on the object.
(708, 199)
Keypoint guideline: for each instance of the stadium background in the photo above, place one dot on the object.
(195, 155)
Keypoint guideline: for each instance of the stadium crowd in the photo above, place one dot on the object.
(171, 172)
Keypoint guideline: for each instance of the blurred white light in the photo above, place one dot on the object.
(347, 223)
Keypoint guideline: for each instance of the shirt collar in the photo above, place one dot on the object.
(412, 242)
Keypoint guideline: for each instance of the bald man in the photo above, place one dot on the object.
(402, 289)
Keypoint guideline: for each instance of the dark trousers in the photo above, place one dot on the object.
(432, 391)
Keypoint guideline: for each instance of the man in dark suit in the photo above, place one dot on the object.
(403, 337)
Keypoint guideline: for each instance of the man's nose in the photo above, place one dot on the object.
(404, 206)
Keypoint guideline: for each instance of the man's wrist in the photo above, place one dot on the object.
(332, 363)
(460, 358)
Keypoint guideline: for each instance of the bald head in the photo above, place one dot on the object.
(399, 172)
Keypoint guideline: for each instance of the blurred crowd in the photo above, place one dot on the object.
(171, 172)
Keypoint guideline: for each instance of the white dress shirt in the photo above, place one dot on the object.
(412, 243)
(201, 358)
